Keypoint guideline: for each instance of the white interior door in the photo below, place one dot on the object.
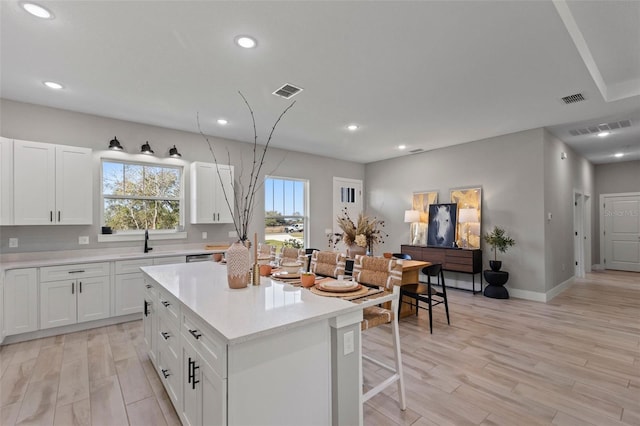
(347, 194)
(621, 231)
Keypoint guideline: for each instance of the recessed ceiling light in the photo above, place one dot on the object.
(37, 10)
(618, 154)
(603, 134)
(246, 42)
(222, 121)
(53, 85)
(402, 147)
(353, 127)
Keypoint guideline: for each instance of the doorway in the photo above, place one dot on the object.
(347, 194)
(620, 227)
(582, 233)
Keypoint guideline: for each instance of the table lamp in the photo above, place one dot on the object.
(413, 217)
(467, 217)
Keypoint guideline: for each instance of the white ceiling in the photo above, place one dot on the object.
(423, 74)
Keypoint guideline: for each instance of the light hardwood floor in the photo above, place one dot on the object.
(572, 361)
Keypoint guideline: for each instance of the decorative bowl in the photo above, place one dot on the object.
(308, 279)
(291, 267)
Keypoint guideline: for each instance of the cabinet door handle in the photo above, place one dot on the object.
(80, 282)
(58, 215)
(165, 303)
(165, 373)
(190, 371)
(149, 286)
(193, 378)
(77, 271)
(165, 335)
(195, 334)
(50, 215)
(73, 288)
(146, 308)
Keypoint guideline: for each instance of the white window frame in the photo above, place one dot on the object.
(138, 234)
(305, 216)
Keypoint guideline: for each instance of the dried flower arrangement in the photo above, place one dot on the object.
(367, 232)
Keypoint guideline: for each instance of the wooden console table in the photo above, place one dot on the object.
(453, 260)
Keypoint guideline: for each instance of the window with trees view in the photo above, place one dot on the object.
(285, 203)
(141, 196)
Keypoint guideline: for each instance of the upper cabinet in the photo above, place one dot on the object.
(53, 184)
(208, 202)
(6, 181)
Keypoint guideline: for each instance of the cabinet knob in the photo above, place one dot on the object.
(149, 286)
(165, 373)
(165, 303)
(195, 334)
(165, 335)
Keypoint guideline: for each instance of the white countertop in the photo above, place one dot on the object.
(68, 257)
(242, 314)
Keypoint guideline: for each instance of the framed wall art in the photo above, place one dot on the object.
(421, 202)
(469, 201)
(442, 225)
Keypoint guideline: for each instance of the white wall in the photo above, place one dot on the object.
(509, 169)
(37, 123)
(611, 178)
(561, 179)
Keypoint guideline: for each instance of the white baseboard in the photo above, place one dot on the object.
(526, 294)
(559, 289)
(69, 328)
(597, 267)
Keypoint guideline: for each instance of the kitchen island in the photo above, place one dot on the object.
(271, 354)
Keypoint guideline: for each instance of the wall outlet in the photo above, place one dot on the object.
(349, 343)
(13, 242)
(83, 240)
(204, 235)
(233, 234)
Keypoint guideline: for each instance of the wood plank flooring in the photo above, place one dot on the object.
(572, 361)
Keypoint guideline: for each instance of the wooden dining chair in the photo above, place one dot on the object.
(386, 273)
(424, 292)
(328, 263)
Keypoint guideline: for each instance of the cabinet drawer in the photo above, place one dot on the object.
(79, 270)
(210, 347)
(169, 338)
(169, 308)
(129, 266)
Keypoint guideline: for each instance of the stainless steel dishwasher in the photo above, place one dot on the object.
(199, 257)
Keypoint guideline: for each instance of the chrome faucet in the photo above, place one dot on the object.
(147, 249)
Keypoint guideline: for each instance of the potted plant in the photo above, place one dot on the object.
(499, 241)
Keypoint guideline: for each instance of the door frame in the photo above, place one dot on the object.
(582, 233)
(602, 221)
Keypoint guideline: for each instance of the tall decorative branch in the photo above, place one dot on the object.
(244, 200)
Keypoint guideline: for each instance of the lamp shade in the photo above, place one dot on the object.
(411, 216)
(173, 152)
(146, 148)
(474, 228)
(114, 144)
(468, 215)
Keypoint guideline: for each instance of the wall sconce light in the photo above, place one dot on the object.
(114, 144)
(146, 148)
(413, 217)
(467, 217)
(173, 152)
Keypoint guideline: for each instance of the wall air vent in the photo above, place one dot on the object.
(572, 99)
(288, 91)
(415, 151)
(603, 127)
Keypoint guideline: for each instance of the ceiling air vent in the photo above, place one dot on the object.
(572, 99)
(288, 91)
(604, 127)
(415, 151)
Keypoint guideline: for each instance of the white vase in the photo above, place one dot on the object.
(238, 265)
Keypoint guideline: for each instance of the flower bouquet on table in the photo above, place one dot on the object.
(362, 236)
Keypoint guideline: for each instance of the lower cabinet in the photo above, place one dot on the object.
(204, 392)
(150, 321)
(20, 301)
(71, 301)
(129, 286)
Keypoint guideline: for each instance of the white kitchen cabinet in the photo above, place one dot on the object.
(53, 184)
(6, 181)
(204, 392)
(169, 345)
(20, 301)
(150, 321)
(129, 283)
(82, 296)
(208, 203)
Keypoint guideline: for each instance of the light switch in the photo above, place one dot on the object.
(204, 235)
(348, 342)
(83, 240)
(233, 234)
(13, 242)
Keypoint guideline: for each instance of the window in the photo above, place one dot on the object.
(141, 196)
(285, 202)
